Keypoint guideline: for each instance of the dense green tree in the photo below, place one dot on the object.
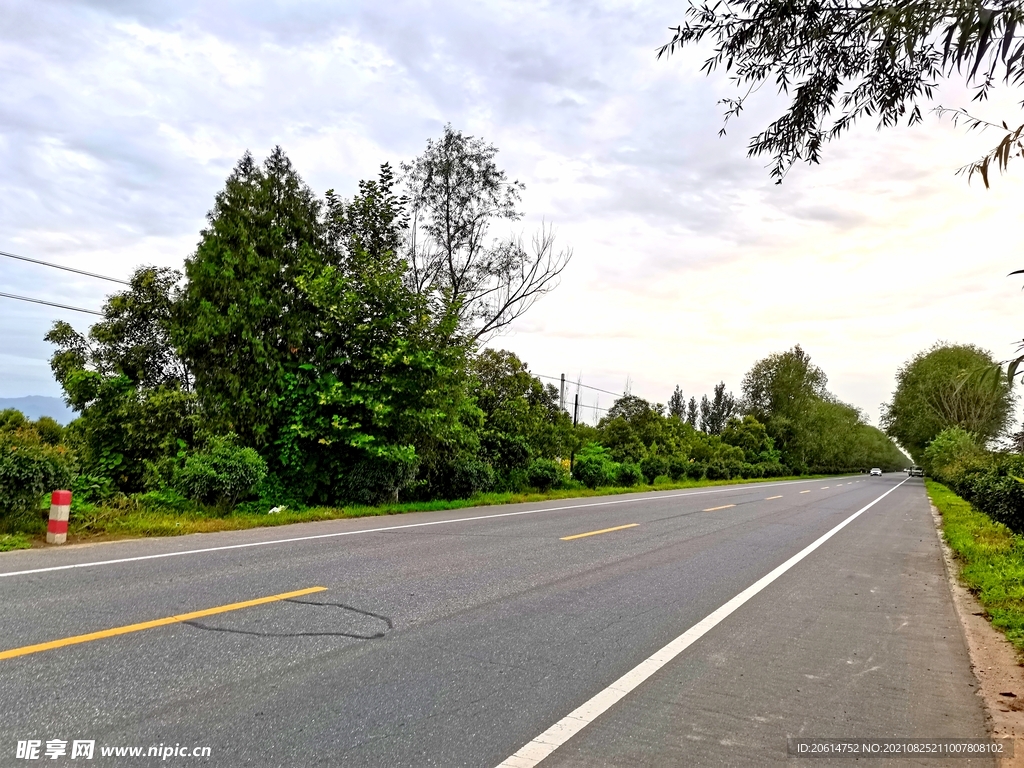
(942, 387)
(716, 412)
(246, 324)
(677, 405)
(381, 392)
(752, 436)
(810, 428)
(692, 412)
(783, 384)
(127, 381)
(521, 417)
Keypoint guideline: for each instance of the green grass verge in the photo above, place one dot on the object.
(11, 541)
(991, 560)
(130, 517)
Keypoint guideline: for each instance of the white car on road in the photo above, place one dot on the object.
(876, 471)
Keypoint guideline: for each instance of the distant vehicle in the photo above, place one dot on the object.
(875, 471)
(916, 472)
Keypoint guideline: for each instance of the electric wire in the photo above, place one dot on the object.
(585, 386)
(50, 303)
(66, 269)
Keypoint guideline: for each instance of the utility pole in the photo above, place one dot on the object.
(561, 395)
(575, 418)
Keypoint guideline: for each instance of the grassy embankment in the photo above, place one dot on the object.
(129, 517)
(991, 560)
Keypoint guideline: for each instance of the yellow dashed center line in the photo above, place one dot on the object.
(773, 497)
(715, 509)
(27, 649)
(603, 530)
(804, 491)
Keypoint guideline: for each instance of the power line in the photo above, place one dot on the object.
(585, 386)
(66, 269)
(50, 304)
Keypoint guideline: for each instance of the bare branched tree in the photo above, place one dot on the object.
(456, 191)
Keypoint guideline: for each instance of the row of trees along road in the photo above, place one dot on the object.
(953, 411)
(328, 334)
(329, 349)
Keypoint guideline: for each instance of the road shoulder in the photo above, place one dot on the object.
(993, 660)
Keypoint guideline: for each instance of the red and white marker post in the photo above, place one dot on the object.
(60, 508)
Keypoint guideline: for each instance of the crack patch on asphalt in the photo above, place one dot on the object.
(353, 635)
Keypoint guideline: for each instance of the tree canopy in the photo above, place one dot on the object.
(457, 192)
(842, 60)
(811, 428)
(942, 387)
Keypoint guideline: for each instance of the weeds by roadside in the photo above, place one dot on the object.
(991, 557)
(12, 541)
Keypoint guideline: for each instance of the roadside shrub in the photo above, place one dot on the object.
(770, 469)
(91, 488)
(166, 499)
(589, 470)
(12, 419)
(677, 467)
(652, 466)
(695, 470)
(29, 468)
(950, 449)
(374, 480)
(716, 470)
(751, 470)
(220, 474)
(49, 430)
(544, 474)
(462, 478)
(629, 474)
(594, 467)
(993, 483)
(511, 481)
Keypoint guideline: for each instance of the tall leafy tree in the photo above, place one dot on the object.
(783, 384)
(246, 323)
(716, 412)
(692, 414)
(382, 392)
(813, 430)
(943, 387)
(677, 404)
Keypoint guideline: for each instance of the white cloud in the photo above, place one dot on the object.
(119, 122)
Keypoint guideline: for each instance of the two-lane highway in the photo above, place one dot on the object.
(462, 638)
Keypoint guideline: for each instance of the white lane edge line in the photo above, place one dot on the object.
(547, 742)
(732, 489)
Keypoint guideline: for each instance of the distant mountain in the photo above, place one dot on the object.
(35, 406)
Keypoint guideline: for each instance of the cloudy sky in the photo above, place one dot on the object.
(119, 121)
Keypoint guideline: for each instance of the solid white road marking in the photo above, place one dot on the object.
(543, 745)
(731, 489)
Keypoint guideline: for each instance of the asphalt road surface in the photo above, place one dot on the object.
(462, 638)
